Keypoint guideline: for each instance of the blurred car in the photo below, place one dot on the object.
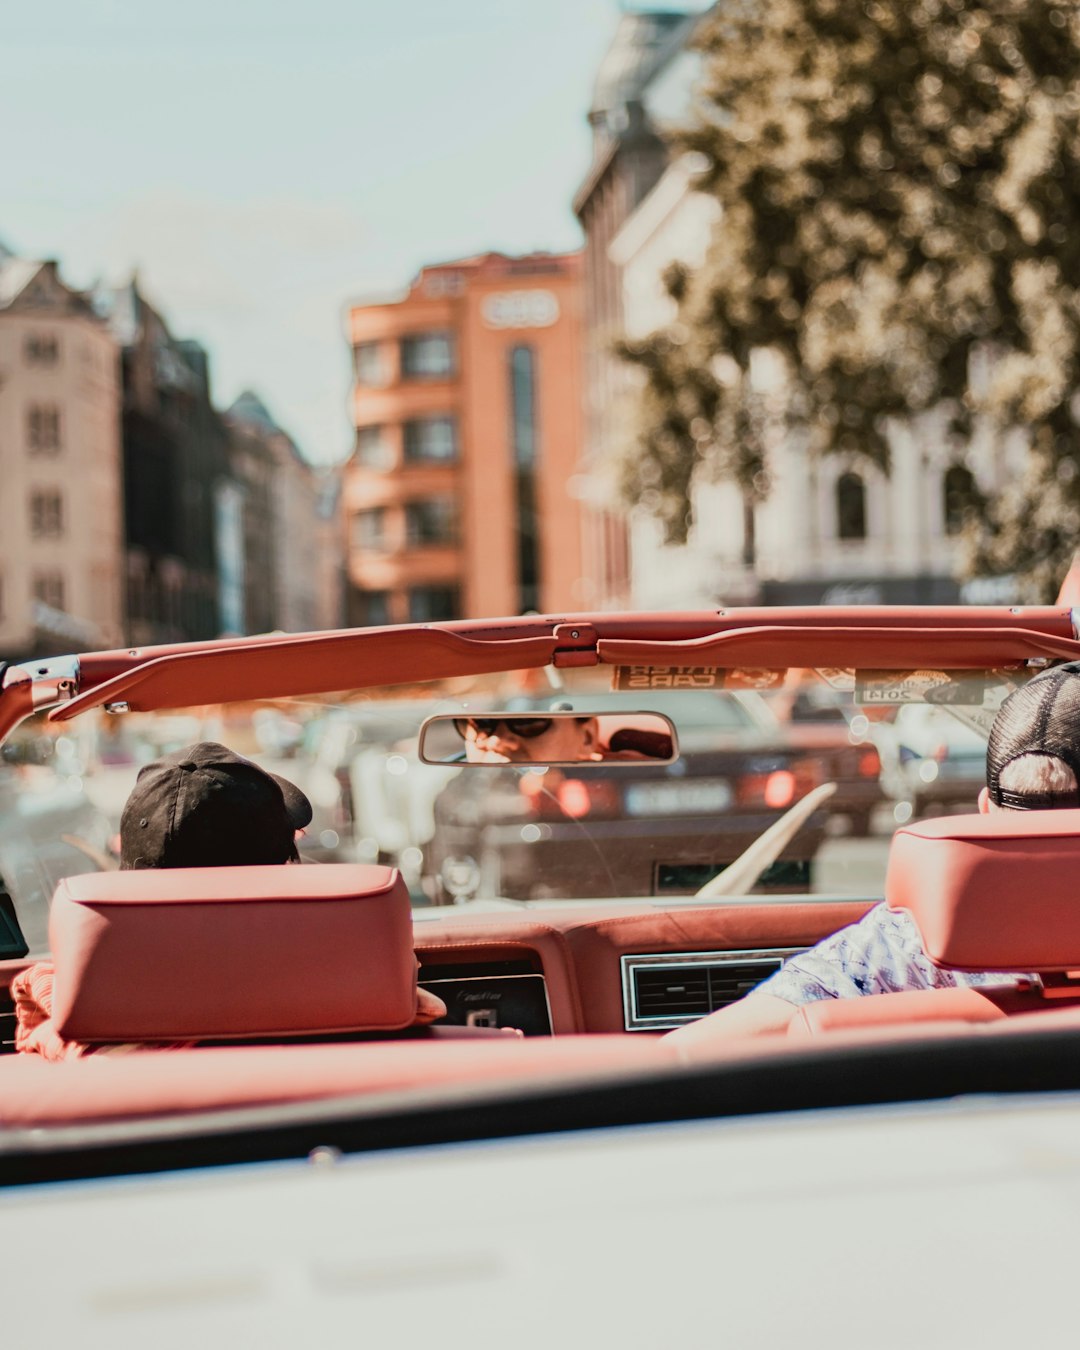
(823, 722)
(656, 828)
(348, 764)
(931, 761)
(49, 828)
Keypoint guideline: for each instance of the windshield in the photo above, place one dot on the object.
(825, 763)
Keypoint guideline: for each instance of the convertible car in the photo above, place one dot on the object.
(240, 1127)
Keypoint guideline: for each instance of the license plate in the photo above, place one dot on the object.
(675, 799)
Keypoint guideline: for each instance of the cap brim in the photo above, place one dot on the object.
(297, 806)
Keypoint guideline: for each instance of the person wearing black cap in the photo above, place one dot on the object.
(1032, 764)
(202, 806)
(206, 806)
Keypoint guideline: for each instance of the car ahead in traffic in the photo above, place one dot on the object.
(822, 721)
(288, 1147)
(50, 827)
(931, 761)
(662, 824)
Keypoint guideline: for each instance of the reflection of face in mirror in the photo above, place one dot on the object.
(528, 739)
(561, 737)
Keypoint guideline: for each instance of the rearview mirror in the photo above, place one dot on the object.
(548, 738)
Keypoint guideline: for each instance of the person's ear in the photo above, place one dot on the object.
(590, 733)
(984, 801)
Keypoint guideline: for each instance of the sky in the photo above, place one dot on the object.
(263, 162)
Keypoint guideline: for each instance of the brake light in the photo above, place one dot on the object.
(573, 796)
(551, 796)
(869, 763)
(777, 789)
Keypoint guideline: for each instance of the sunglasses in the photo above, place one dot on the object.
(527, 728)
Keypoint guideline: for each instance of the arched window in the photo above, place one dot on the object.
(850, 507)
(958, 493)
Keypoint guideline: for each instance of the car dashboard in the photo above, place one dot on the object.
(571, 969)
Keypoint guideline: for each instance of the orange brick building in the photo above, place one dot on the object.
(468, 412)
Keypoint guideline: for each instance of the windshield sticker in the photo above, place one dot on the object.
(974, 689)
(694, 677)
(840, 679)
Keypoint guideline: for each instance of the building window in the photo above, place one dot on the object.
(850, 507)
(431, 521)
(372, 450)
(46, 515)
(48, 588)
(41, 349)
(523, 449)
(369, 528)
(426, 356)
(374, 608)
(370, 368)
(958, 494)
(444, 283)
(433, 604)
(431, 440)
(523, 404)
(43, 429)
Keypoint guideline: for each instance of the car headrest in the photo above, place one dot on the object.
(992, 892)
(223, 952)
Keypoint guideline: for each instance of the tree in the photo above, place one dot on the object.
(900, 188)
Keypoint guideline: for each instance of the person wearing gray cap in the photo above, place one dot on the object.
(1032, 764)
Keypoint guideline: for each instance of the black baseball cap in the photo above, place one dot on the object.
(1041, 718)
(206, 806)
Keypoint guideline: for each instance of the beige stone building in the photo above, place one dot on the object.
(834, 529)
(630, 115)
(61, 508)
(299, 521)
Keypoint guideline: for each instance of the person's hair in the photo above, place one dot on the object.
(1033, 774)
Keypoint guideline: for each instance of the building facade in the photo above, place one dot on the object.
(253, 472)
(290, 528)
(628, 114)
(458, 498)
(833, 530)
(175, 458)
(61, 510)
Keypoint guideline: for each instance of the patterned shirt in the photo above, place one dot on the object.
(881, 954)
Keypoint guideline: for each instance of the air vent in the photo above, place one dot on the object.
(660, 992)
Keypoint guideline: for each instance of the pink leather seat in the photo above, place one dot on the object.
(207, 954)
(997, 892)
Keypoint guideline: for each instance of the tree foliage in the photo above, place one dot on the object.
(900, 186)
